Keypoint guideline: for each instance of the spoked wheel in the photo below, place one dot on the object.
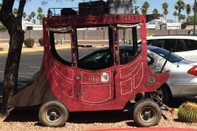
(53, 114)
(146, 113)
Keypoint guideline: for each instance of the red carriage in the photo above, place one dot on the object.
(62, 86)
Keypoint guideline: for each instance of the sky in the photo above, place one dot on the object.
(33, 5)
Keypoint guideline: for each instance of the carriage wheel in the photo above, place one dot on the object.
(53, 114)
(146, 113)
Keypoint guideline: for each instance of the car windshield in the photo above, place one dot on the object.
(164, 53)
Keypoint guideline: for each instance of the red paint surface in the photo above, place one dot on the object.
(91, 93)
(146, 129)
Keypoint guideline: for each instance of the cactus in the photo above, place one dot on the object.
(187, 112)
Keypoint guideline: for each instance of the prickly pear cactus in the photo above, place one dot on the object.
(187, 112)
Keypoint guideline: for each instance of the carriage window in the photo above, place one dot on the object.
(57, 41)
(96, 60)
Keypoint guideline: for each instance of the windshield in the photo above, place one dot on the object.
(164, 53)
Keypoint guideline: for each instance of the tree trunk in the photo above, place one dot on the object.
(11, 68)
(13, 23)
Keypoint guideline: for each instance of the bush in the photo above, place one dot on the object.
(57, 41)
(129, 41)
(41, 41)
(29, 42)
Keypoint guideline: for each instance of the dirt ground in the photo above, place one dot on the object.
(25, 120)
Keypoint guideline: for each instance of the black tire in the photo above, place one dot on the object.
(163, 93)
(146, 113)
(53, 114)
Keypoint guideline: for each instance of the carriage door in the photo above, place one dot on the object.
(96, 86)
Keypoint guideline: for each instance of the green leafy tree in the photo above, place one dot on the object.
(137, 12)
(144, 8)
(179, 6)
(190, 20)
(188, 9)
(181, 17)
(24, 15)
(155, 11)
(175, 15)
(40, 10)
(34, 21)
(29, 18)
(15, 11)
(165, 8)
(40, 16)
(33, 14)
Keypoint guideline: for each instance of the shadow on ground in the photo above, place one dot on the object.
(31, 115)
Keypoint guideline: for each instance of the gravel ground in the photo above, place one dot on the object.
(26, 120)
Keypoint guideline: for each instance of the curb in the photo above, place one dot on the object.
(58, 48)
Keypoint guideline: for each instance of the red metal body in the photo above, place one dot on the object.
(90, 90)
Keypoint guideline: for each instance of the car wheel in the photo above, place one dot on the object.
(163, 93)
(146, 113)
(53, 114)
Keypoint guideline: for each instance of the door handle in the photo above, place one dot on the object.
(79, 77)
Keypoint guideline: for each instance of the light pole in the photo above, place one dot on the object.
(194, 16)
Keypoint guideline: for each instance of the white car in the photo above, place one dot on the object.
(182, 45)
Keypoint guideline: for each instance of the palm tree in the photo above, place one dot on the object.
(29, 18)
(165, 12)
(175, 15)
(137, 12)
(33, 14)
(180, 5)
(34, 21)
(15, 11)
(155, 11)
(143, 10)
(24, 15)
(40, 10)
(39, 17)
(181, 17)
(188, 9)
(165, 8)
(145, 7)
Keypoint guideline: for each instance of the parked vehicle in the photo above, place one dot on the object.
(64, 86)
(183, 45)
(183, 77)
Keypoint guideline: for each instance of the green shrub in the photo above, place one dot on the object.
(29, 42)
(150, 34)
(57, 41)
(41, 41)
(129, 41)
